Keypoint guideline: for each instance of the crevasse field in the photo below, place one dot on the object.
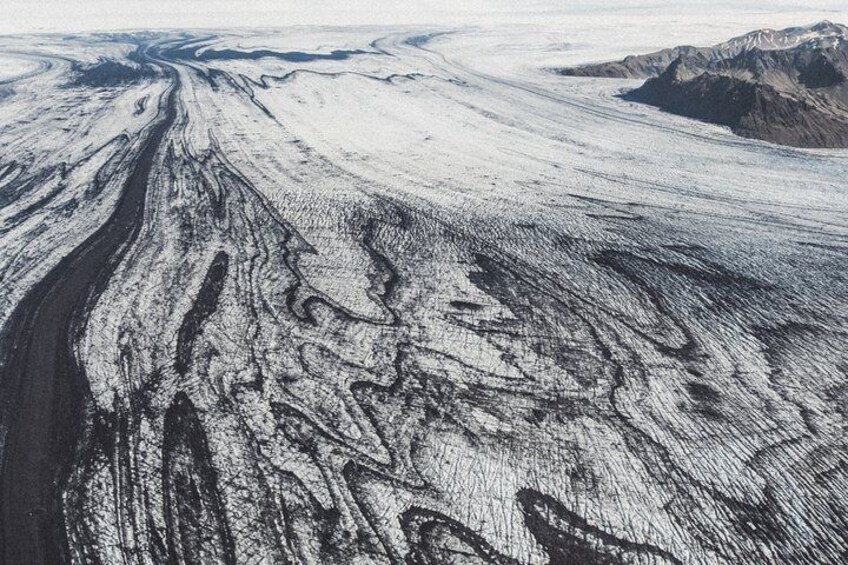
(403, 295)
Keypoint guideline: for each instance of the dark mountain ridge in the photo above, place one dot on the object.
(788, 87)
(818, 36)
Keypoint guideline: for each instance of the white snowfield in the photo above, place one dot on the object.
(423, 301)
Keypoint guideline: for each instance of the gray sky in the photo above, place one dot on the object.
(22, 16)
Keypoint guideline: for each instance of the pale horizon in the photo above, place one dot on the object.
(79, 16)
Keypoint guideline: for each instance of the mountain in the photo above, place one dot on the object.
(822, 35)
(788, 87)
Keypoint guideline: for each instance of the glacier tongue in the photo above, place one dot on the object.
(423, 301)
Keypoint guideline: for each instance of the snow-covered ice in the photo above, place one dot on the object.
(423, 301)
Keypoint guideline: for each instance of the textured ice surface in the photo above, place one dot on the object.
(430, 303)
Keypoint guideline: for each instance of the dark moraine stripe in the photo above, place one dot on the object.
(196, 527)
(43, 391)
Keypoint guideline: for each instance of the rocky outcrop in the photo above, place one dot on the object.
(751, 108)
(637, 66)
(786, 87)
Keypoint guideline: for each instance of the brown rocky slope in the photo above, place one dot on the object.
(788, 87)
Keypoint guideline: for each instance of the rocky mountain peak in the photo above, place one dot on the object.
(789, 86)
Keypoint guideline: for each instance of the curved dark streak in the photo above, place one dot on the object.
(8, 169)
(689, 350)
(375, 45)
(387, 272)
(570, 540)
(21, 216)
(288, 56)
(204, 306)
(140, 105)
(43, 389)
(435, 539)
(14, 191)
(264, 80)
(244, 88)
